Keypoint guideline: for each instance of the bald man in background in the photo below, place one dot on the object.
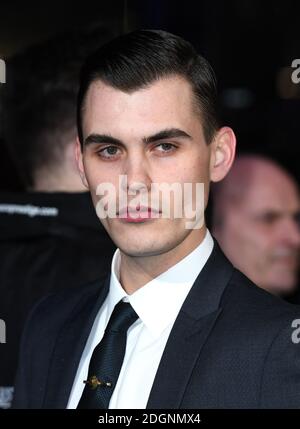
(256, 221)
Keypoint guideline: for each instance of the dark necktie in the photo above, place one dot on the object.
(107, 359)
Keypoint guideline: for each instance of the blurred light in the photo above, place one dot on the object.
(237, 98)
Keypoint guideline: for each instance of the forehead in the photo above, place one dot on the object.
(272, 190)
(168, 102)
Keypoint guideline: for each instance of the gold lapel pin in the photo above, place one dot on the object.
(94, 382)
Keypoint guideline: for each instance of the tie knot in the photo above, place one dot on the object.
(122, 318)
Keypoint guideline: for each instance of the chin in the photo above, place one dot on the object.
(284, 287)
(139, 253)
(143, 247)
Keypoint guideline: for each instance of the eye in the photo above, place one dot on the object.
(165, 147)
(269, 218)
(108, 152)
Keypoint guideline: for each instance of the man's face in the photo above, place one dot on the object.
(261, 235)
(152, 135)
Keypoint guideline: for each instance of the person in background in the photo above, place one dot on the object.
(50, 237)
(256, 222)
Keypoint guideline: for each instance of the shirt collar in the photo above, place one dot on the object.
(158, 302)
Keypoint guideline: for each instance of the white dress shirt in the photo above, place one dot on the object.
(157, 304)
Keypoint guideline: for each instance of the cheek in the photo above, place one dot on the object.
(190, 169)
(198, 172)
(237, 231)
(198, 169)
(97, 174)
(250, 236)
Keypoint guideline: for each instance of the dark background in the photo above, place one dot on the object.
(250, 44)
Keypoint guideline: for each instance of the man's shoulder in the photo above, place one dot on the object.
(253, 305)
(55, 309)
(240, 299)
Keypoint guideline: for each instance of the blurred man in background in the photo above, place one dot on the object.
(50, 236)
(256, 221)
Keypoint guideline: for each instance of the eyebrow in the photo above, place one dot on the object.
(168, 133)
(278, 214)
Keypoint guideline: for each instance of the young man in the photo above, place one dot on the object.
(183, 328)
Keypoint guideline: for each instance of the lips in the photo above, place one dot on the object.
(138, 214)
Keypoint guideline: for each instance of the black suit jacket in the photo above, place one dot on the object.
(230, 347)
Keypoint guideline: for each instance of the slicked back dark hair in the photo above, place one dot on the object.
(135, 60)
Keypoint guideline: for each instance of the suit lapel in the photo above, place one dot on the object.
(191, 329)
(179, 358)
(69, 348)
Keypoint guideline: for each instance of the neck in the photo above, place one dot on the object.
(61, 177)
(58, 180)
(135, 272)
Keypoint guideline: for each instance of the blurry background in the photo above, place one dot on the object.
(250, 44)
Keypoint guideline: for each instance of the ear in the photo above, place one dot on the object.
(79, 160)
(222, 154)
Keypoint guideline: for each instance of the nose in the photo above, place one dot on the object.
(137, 172)
(291, 231)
